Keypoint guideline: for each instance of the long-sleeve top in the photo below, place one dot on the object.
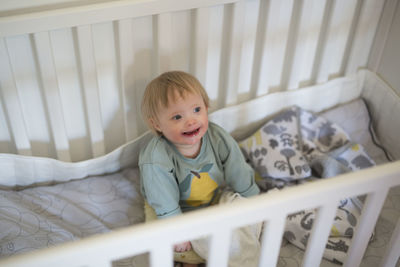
(172, 183)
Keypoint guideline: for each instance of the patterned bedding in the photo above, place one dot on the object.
(44, 216)
(353, 118)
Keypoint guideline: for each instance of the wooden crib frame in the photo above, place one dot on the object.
(158, 237)
(361, 47)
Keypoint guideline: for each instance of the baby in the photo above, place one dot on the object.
(189, 158)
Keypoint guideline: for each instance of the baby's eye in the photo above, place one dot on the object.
(197, 109)
(177, 117)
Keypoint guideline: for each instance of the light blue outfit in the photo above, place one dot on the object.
(172, 183)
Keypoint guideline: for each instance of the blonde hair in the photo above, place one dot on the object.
(164, 87)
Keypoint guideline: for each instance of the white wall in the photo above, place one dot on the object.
(389, 67)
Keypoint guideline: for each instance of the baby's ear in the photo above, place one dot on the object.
(155, 124)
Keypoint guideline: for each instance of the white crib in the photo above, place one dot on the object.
(72, 76)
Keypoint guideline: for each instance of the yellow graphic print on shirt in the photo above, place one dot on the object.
(202, 187)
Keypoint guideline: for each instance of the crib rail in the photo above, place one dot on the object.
(72, 78)
(218, 222)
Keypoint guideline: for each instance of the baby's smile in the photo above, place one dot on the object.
(192, 133)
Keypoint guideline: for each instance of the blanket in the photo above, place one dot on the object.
(244, 249)
(295, 147)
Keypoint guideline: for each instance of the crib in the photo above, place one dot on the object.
(72, 75)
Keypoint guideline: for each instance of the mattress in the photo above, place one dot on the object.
(42, 216)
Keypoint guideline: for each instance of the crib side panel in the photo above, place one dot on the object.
(217, 222)
(72, 78)
(382, 102)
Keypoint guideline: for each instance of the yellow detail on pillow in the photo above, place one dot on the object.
(249, 142)
(257, 137)
(335, 231)
(257, 176)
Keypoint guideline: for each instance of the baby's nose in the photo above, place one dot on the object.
(191, 121)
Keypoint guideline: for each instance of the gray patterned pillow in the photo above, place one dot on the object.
(275, 149)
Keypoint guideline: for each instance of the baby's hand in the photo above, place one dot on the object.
(182, 247)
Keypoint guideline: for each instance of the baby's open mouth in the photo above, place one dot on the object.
(192, 133)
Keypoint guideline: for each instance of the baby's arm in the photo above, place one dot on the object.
(238, 174)
(182, 247)
(160, 189)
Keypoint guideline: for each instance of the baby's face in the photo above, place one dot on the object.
(185, 121)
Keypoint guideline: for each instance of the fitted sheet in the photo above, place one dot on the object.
(43, 216)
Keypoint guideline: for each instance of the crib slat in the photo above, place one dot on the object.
(292, 43)
(271, 241)
(366, 26)
(171, 41)
(319, 235)
(259, 49)
(161, 256)
(90, 88)
(23, 63)
(219, 248)
(181, 25)
(251, 12)
(109, 85)
(338, 33)
(382, 35)
(125, 54)
(214, 46)
(366, 224)
(52, 95)
(6, 143)
(273, 28)
(12, 103)
(305, 43)
(65, 53)
(141, 69)
(392, 253)
(162, 42)
(199, 44)
(231, 54)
